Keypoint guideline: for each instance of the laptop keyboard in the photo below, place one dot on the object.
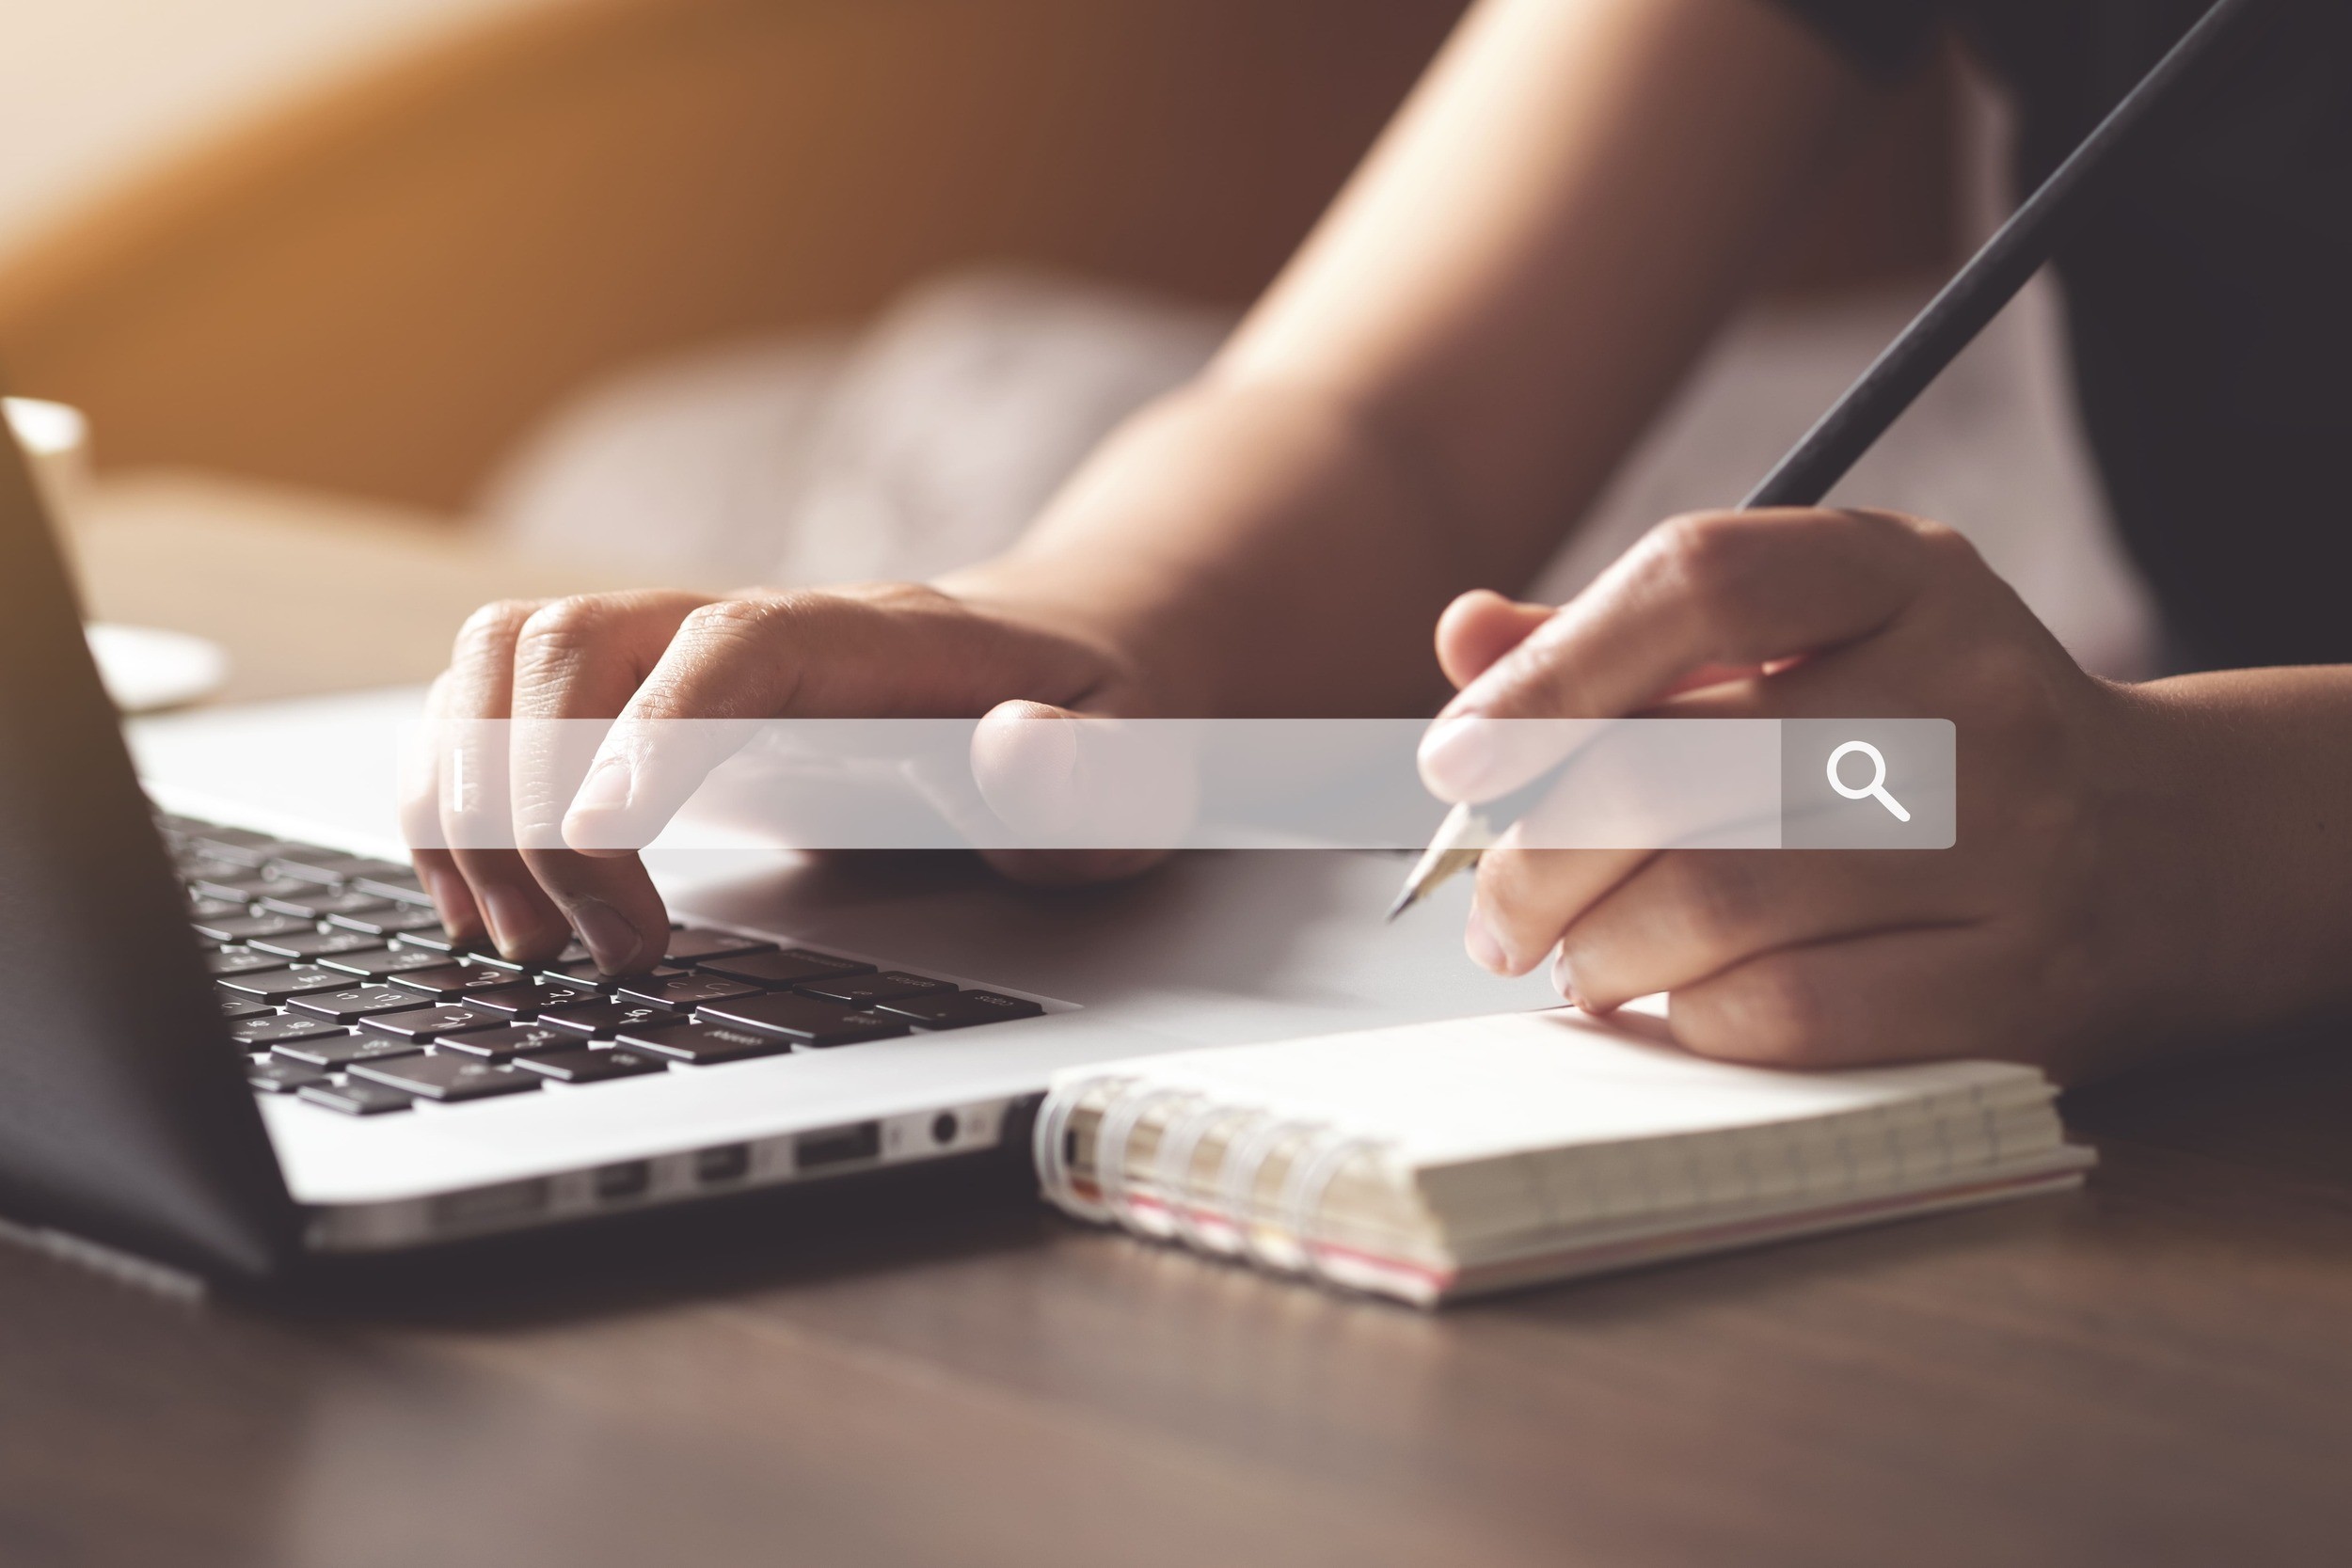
(340, 989)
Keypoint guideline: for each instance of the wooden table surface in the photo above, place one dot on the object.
(938, 1371)
(941, 1372)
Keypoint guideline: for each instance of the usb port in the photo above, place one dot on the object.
(628, 1179)
(837, 1146)
(726, 1163)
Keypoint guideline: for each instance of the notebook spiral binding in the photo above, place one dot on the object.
(1231, 1222)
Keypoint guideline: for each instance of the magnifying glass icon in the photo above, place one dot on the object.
(1878, 778)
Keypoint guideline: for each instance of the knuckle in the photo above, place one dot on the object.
(1718, 901)
(559, 632)
(495, 625)
(1698, 558)
(744, 619)
(1772, 1013)
(565, 637)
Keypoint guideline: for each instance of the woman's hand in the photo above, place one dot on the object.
(880, 651)
(2050, 932)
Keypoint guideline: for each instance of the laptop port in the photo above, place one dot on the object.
(726, 1163)
(837, 1146)
(628, 1180)
(944, 1128)
(490, 1206)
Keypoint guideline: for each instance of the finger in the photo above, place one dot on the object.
(421, 823)
(1720, 591)
(1893, 996)
(475, 806)
(891, 653)
(1061, 780)
(1480, 626)
(1527, 897)
(1682, 918)
(577, 661)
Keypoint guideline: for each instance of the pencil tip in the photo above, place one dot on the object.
(1405, 901)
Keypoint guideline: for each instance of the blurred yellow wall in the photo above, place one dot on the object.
(95, 91)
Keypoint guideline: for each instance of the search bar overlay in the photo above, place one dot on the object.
(1013, 782)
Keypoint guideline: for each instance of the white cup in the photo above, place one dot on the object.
(145, 668)
(56, 440)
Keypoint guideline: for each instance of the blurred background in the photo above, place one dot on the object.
(378, 308)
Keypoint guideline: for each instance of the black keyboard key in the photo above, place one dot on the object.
(342, 1049)
(241, 961)
(274, 1029)
(233, 1006)
(508, 1042)
(686, 991)
(803, 1019)
(358, 1001)
(201, 908)
(788, 968)
(958, 1010)
(317, 944)
(244, 927)
(702, 1044)
(524, 1000)
(252, 890)
(317, 903)
(584, 974)
(383, 917)
(691, 946)
(356, 1098)
(592, 1063)
(866, 991)
(382, 963)
(330, 866)
(448, 982)
(202, 868)
(235, 847)
(280, 1076)
(433, 938)
(606, 1018)
(403, 889)
(448, 1078)
(429, 1023)
(277, 984)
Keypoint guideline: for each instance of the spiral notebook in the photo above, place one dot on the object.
(1435, 1160)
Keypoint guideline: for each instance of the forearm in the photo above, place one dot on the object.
(2239, 810)
(1449, 369)
(1250, 551)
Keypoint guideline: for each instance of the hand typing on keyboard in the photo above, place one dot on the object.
(872, 652)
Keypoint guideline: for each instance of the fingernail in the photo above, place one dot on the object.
(606, 789)
(1485, 951)
(610, 936)
(1455, 755)
(513, 918)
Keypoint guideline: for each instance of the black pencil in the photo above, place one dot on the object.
(1991, 280)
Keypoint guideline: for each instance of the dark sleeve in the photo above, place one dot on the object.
(1884, 36)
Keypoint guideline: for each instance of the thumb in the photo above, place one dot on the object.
(1480, 626)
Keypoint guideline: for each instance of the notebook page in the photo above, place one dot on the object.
(1479, 1087)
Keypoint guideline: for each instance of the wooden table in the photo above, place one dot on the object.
(2155, 1371)
(2159, 1370)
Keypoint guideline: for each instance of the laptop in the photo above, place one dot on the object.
(233, 1038)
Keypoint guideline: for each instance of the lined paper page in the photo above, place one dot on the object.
(1478, 1087)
